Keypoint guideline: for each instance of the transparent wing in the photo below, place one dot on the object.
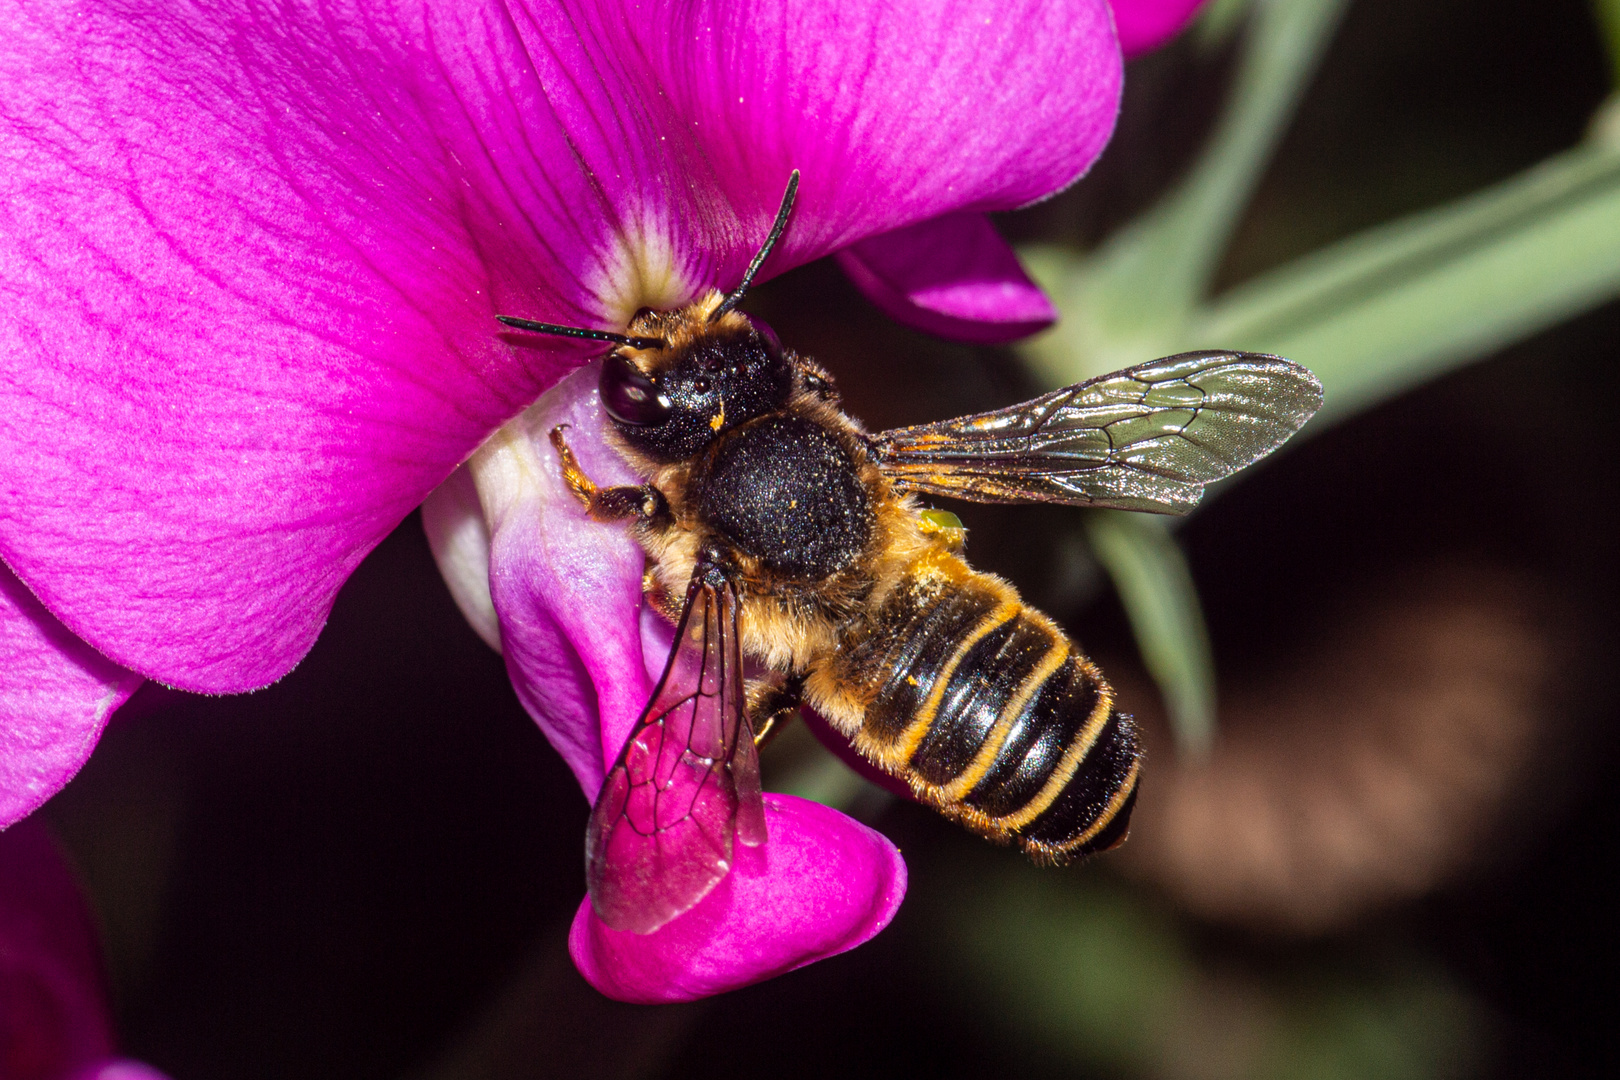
(686, 784)
(1146, 438)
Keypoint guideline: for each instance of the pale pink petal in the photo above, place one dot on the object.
(53, 1012)
(821, 886)
(953, 276)
(56, 693)
(567, 590)
(458, 536)
(1147, 24)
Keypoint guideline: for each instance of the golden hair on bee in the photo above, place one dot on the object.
(778, 529)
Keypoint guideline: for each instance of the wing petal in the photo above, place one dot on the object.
(686, 785)
(1146, 438)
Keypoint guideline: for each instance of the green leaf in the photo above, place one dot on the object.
(1219, 22)
(1608, 17)
(1079, 967)
(1104, 981)
(795, 763)
(1383, 310)
(1161, 601)
(1161, 264)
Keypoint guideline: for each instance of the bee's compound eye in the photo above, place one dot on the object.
(629, 396)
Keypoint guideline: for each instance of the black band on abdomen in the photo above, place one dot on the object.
(979, 690)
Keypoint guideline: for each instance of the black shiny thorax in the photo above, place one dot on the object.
(787, 491)
(774, 472)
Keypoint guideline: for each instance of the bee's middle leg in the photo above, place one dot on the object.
(770, 707)
(643, 503)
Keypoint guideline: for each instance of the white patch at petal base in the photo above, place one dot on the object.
(457, 533)
(641, 271)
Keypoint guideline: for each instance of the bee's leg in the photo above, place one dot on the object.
(659, 596)
(771, 707)
(644, 503)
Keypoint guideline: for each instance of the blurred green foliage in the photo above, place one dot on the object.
(1161, 601)
(1372, 315)
(1104, 982)
(1608, 17)
(247, 895)
(1092, 970)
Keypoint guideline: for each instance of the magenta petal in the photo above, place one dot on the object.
(953, 276)
(251, 258)
(56, 693)
(251, 262)
(53, 1012)
(122, 1069)
(1147, 24)
(894, 113)
(822, 885)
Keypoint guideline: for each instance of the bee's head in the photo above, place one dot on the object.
(679, 378)
(670, 402)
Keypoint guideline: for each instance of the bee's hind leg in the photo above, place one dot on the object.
(770, 707)
(644, 503)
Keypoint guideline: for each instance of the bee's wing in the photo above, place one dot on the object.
(686, 784)
(1146, 438)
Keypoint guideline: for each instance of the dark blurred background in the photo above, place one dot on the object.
(1397, 862)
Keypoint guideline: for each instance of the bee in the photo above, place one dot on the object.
(797, 540)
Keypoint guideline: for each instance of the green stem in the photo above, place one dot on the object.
(1156, 588)
(1607, 13)
(1390, 307)
(1140, 288)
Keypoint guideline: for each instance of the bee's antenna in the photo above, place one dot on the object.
(578, 332)
(734, 297)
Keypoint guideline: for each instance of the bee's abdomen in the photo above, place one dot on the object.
(988, 711)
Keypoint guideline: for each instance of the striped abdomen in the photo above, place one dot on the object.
(990, 713)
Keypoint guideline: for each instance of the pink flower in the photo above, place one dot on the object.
(1147, 24)
(53, 1008)
(251, 256)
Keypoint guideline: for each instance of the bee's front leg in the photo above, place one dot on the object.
(644, 503)
(771, 706)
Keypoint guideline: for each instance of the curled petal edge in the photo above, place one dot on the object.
(1144, 25)
(823, 885)
(459, 538)
(952, 276)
